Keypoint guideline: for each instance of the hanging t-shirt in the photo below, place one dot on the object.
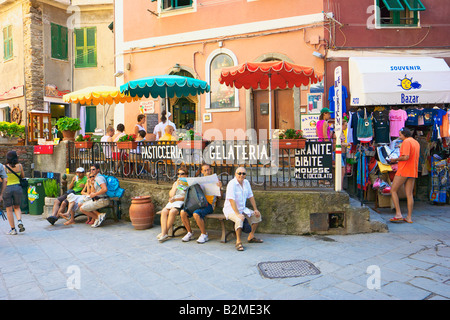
(381, 130)
(331, 100)
(438, 115)
(413, 116)
(427, 117)
(445, 126)
(397, 119)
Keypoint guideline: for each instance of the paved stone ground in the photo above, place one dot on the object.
(411, 261)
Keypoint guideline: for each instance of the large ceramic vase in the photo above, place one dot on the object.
(142, 212)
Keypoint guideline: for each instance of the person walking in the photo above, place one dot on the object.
(12, 196)
(408, 168)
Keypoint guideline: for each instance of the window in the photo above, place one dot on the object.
(91, 119)
(222, 96)
(59, 36)
(175, 4)
(86, 47)
(7, 43)
(399, 12)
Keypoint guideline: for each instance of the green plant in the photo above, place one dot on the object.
(293, 134)
(68, 124)
(51, 188)
(190, 135)
(81, 138)
(11, 129)
(127, 137)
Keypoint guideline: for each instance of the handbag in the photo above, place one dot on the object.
(23, 181)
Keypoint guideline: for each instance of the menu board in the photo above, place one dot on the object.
(152, 121)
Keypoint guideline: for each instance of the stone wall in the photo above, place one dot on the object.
(284, 212)
(33, 55)
(25, 154)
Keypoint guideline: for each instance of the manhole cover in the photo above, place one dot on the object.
(287, 269)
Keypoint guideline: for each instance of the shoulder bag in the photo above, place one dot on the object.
(23, 182)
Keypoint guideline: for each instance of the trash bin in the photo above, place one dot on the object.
(24, 203)
(36, 195)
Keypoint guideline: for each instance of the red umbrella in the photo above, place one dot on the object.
(272, 75)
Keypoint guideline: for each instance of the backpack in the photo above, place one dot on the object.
(114, 190)
(194, 198)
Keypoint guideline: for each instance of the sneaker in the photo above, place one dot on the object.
(21, 227)
(12, 232)
(203, 238)
(188, 236)
(95, 224)
(163, 238)
(101, 218)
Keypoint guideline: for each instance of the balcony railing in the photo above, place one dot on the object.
(267, 167)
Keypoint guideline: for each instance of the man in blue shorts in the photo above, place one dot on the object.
(199, 214)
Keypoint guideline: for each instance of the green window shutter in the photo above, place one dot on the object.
(7, 43)
(91, 119)
(64, 43)
(86, 47)
(393, 5)
(414, 5)
(91, 47)
(54, 40)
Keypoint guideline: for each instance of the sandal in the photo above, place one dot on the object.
(255, 240)
(394, 219)
(239, 246)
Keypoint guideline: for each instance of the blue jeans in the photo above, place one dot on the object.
(202, 212)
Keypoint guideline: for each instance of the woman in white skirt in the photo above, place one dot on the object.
(175, 204)
(75, 202)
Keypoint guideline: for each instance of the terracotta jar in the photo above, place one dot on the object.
(142, 212)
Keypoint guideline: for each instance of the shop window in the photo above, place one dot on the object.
(399, 12)
(59, 37)
(175, 4)
(222, 96)
(7, 43)
(85, 47)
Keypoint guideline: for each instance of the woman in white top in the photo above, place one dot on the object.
(159, 130)
(238, 191)
(120, 132)
(140, 124)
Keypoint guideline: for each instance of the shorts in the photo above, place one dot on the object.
(64, 196)
(202, 212)
(92, 205)
(238, 223)
(175, 204)
(12, 195)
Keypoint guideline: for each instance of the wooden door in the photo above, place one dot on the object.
(284, 109)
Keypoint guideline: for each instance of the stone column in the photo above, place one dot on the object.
(33, 55)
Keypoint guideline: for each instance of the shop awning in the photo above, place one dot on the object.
(398, 81)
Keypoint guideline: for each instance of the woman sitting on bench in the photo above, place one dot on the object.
(173, 207)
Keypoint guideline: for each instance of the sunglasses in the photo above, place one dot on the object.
(241, 173)
(181, 173)
(92, 169)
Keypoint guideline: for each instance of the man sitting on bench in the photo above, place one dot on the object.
(199, 214)
(98, 200)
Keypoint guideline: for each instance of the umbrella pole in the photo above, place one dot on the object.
(270, 107)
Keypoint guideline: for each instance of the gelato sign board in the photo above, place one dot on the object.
(314, 162)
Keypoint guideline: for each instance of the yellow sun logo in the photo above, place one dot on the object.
(408, 84)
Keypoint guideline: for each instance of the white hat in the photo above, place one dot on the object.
(80, 169)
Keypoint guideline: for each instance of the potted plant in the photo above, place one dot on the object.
(11, 132)
(191, 140)
(128, 141)
(83, 142)
(289, 139)
(68, 127)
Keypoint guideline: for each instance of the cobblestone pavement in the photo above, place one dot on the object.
(114, 261)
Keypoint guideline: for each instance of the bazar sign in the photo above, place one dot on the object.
(314, 162)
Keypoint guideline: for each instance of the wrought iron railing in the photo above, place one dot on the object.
(266, 167)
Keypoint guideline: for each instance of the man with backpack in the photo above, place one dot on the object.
(99, 198)
(199, 214)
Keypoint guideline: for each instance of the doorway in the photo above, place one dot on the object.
(282, 110)
(183, 113)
